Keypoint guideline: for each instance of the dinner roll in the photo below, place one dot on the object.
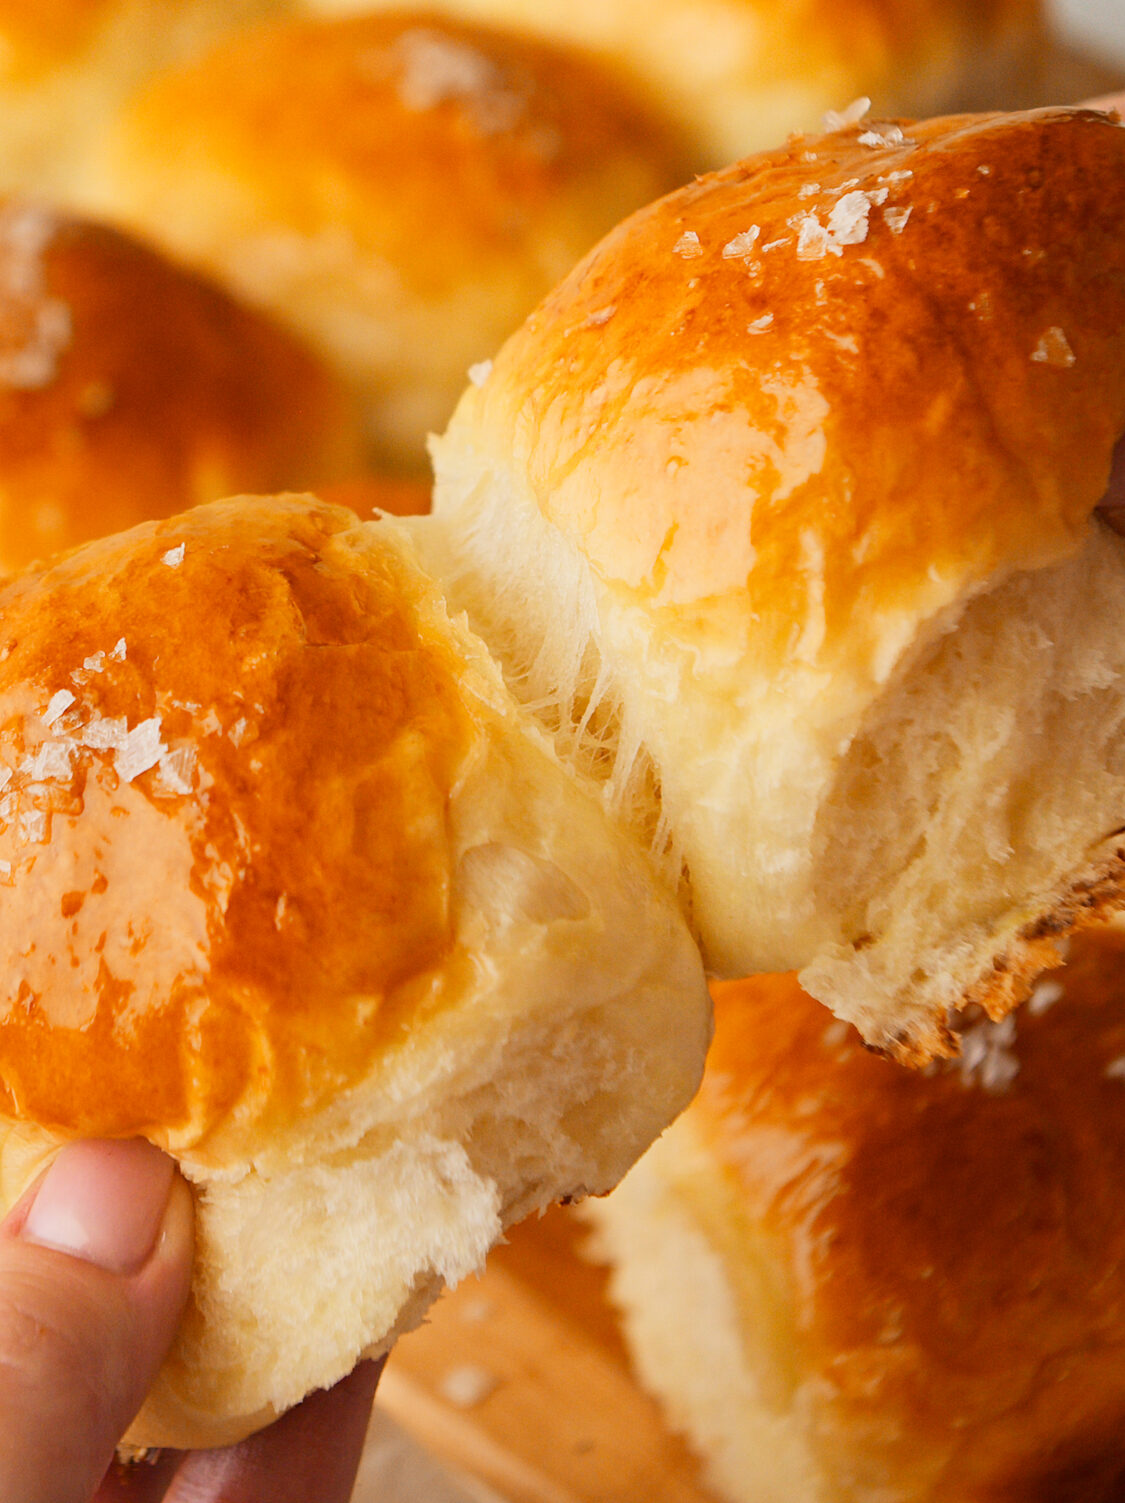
(851, 1283)
(66, 66)
(400, 189)
(296, 891)
(130, 388)
(780, 509)
(739, 75)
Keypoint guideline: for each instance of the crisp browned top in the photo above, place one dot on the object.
(130, 389)
(852, 378)
(953, 1246)
(226, 748)
(431, 142)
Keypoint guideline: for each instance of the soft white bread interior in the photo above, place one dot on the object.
(131, 388)
(852, 1283)
(295, 890)
(739, 75)
(399, 189)
(66, 67)
(803, 461)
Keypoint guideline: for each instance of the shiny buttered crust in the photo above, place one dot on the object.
(69, 64)
(851, 1282)
(295, 891)
(401, 189)
(741, 74)
(132, 389)
(808, 452)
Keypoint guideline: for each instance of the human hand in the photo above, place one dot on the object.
(95, 1267)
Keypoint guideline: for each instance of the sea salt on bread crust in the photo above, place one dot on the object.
(399, 189)
(848, 1282)
(131, 388)
(295, 890)
(802, 462)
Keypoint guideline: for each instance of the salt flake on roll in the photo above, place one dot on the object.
(820, 590)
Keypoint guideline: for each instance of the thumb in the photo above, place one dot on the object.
(95, 1266)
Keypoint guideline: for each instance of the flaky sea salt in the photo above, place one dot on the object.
(465, 1387)
(987, 1057)
(175, 768)
(140, 749)
(760, 325)
(847, 223)
(1054, 349)
(35, 328)
(435, 68)
(851, 114)
(1044, 995)
(896, 219)
(174, 557)
(50, 763)
(688, 245)
(886, 135)
(1115, 1070)
(56, 705)
(104, 733)
(480, 372)
(601, 316)
(812, 239)
(33, 826)
(742, 244)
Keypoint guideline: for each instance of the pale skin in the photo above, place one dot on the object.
(95, 1265)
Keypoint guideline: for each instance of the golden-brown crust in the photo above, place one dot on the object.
(245, 812)
(680, 365)
(952, 1246)
(432, 144)
(130, 388)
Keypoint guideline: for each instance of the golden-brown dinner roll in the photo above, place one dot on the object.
(739, 75)
(293, 889)
(130, 388)
(401, 190)
(852, 1283)
(781, 507)
(66, 66)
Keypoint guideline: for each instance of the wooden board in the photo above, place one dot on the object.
(521, 1380)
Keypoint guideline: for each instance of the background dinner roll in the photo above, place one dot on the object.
(850, 1282)
(739, 75)
(131, 388)
(401, 190)
(781, 509)
(294, 890)
(67, 65)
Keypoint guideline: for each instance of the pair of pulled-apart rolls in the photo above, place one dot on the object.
(779, 518)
